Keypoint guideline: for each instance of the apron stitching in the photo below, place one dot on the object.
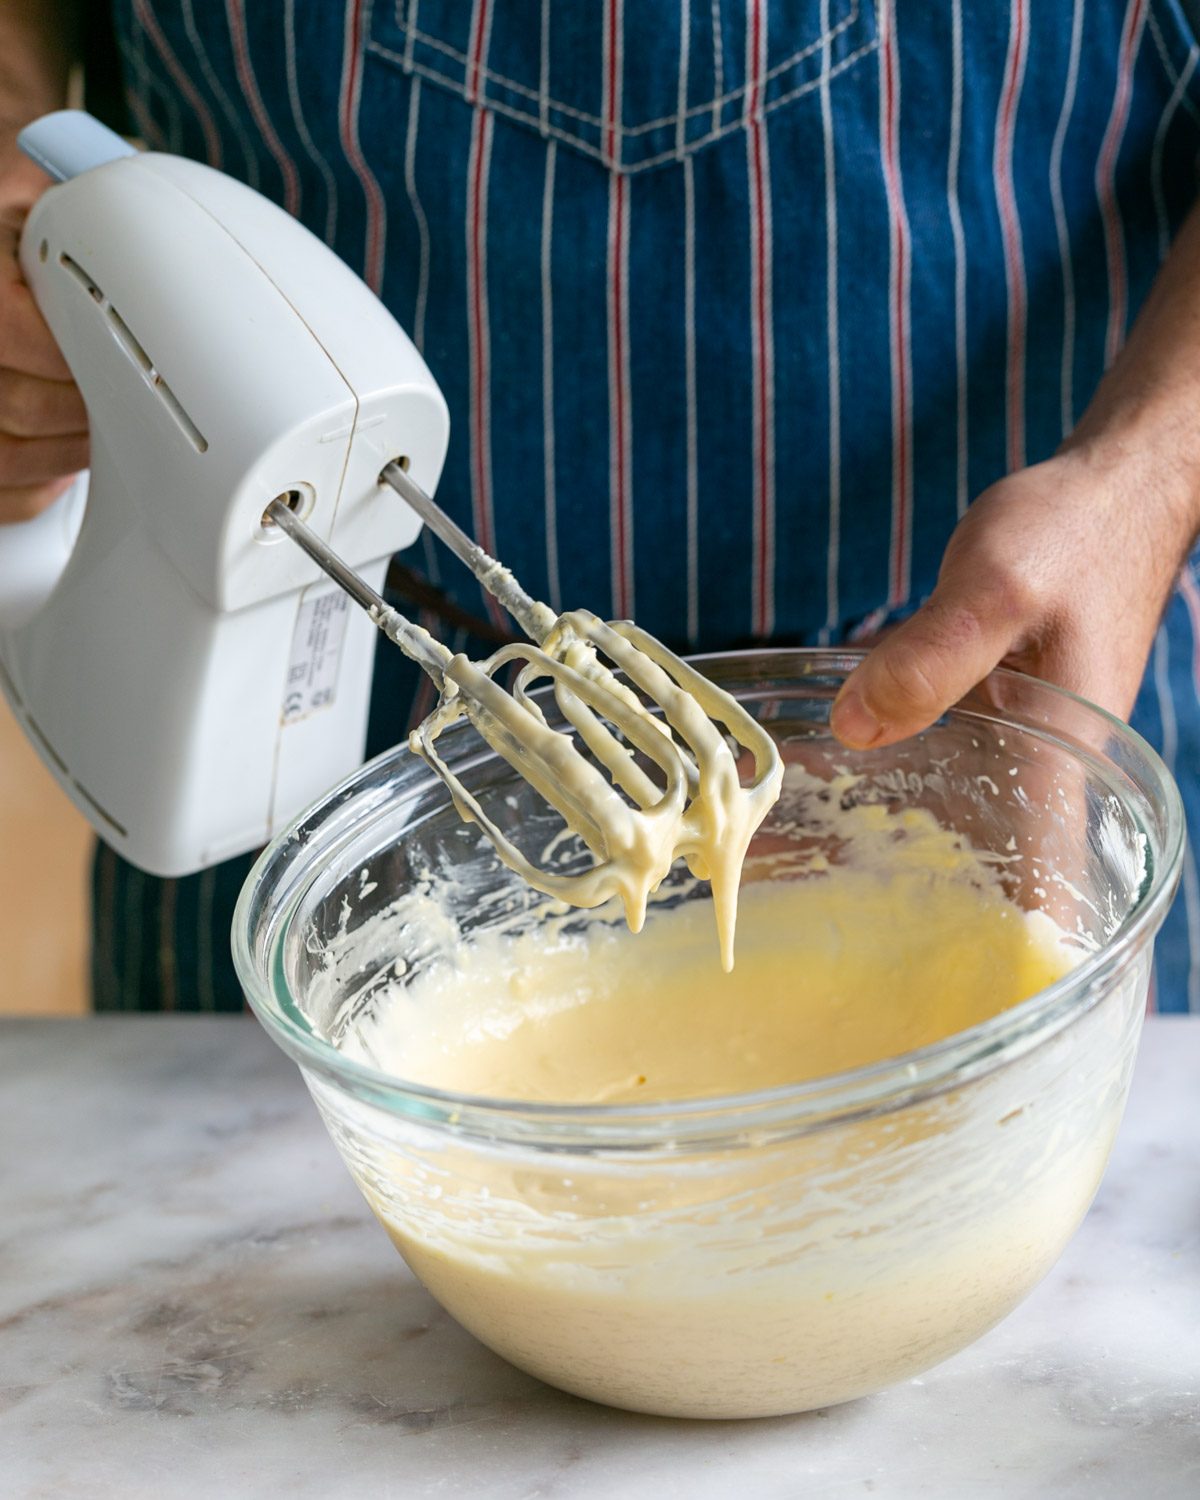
(495, 106)
(488, 75)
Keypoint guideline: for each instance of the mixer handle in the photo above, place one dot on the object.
(34, 553)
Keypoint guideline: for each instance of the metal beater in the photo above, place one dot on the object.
(634, 823)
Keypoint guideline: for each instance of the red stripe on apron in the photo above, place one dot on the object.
(149, 24)
(236, 15)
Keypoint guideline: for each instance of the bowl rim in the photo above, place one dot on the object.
(729, 1119)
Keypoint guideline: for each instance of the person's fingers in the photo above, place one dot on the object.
(32, 407)
(43, 421)
(926, 664)
(34, 461)
(23, 502)
(26, 343)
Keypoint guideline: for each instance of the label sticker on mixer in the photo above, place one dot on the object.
(316, 655)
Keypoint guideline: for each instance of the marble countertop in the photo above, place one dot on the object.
(194, 1301)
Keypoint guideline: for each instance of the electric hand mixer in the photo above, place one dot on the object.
(189, 677)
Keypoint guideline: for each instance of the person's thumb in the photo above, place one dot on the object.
(922, 667)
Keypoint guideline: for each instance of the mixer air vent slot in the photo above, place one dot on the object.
(100, 812)
(126, 339)
(138, 356)
(35, 729)
(73, 268)
(171, 401)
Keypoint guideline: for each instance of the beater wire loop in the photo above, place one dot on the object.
(646, 767)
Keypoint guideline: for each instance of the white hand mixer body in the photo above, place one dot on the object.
(184, 675)
(191, 678)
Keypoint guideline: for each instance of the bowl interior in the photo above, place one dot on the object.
(379, 881)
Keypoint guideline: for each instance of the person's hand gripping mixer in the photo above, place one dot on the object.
(634, 824)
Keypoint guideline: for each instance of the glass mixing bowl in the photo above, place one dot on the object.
(771, 1252)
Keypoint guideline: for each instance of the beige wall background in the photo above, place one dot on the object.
(45, 854)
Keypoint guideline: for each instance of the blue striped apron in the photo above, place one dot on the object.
(735, 305)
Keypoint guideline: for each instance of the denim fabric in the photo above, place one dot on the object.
(735, 305)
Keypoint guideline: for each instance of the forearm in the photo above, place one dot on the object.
(1062, 570)
(1143, 424)
(37, 50)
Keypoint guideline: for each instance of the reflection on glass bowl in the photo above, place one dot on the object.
(750, 1254)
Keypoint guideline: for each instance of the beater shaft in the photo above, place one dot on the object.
(430, 655)
(652, 786)
(535, 619)
(514, 726)
(539, 622)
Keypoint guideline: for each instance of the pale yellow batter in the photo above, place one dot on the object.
(832, 973)
(909, 938)
(772, 1270)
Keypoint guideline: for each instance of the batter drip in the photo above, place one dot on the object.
(908, 939)
(635, 826)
